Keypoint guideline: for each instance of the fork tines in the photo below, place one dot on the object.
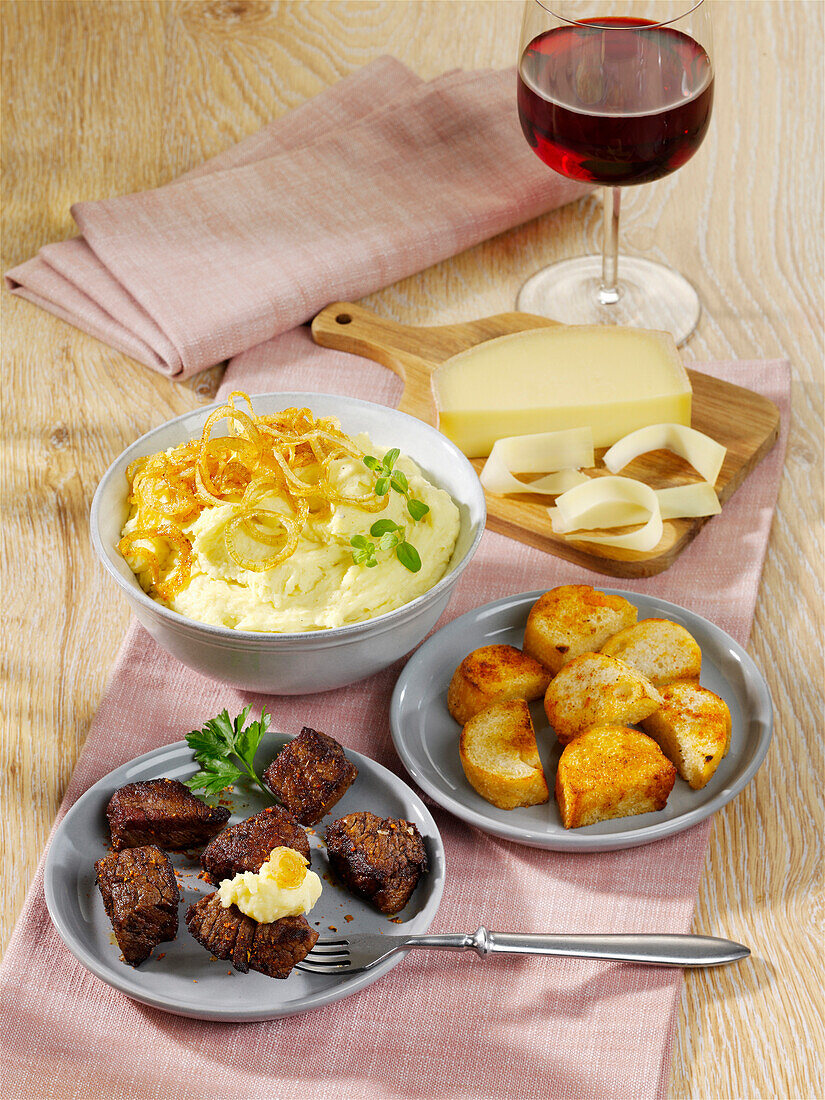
(326, 956)
(330, 947)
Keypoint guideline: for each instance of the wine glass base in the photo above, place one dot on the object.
(650, 295)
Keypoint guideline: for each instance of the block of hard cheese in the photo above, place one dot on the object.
(611, 379)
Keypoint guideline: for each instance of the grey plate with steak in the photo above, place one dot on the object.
(426, 737)
(187, 981)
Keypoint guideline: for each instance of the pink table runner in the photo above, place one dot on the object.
(437, 1025)
(332, 201)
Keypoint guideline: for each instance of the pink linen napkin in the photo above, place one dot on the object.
(332, 201)
(436, 1026)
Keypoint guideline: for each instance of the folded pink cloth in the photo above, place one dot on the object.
(436, 1026)
(334, 200)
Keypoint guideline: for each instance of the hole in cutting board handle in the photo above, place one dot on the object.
(343, 319)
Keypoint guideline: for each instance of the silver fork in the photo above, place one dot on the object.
(361, 952)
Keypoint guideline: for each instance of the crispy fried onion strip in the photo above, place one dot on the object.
(244, 521)
(176, 577)
(274, 470)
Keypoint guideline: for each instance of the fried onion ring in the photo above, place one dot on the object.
(286, 457)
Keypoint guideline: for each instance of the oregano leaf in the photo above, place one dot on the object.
(408, 556)
(417, 508)
(382, 526)
(388, 540)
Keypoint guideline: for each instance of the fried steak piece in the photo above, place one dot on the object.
(380, 858)
(140, 894)
(245, 846)
(271, 949)
(310, 774)
(162, 812)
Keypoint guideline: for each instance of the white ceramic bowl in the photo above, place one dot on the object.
(318, 660)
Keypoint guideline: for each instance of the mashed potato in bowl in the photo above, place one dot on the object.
(253, 531)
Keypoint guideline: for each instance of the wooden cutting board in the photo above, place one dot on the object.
(744, 422)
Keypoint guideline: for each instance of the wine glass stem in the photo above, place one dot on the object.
(609, 291)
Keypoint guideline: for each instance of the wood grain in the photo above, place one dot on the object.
(103, 98)
(745, 423)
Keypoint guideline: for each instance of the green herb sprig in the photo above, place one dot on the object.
(391, 536)
(387, 478)
(364, 551)
(225, 750)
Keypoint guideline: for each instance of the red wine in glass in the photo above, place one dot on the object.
(616, 100)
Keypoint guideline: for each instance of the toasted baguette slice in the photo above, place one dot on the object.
(611, 771)
(661, 650)
(494, 674)
(693, 730)
(574, 619)
(597, 690)
(499, 756)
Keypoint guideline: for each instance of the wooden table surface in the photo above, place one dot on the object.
(103, 98)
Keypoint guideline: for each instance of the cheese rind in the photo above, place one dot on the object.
(609, 378)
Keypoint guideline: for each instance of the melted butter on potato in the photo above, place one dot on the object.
(283, 887)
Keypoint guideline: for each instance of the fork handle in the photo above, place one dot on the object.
(651, 949)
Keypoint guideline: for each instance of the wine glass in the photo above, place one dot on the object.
(617, 94)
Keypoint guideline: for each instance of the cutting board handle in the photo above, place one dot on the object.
(348, 327)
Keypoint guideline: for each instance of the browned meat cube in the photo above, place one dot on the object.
(271, 949)
(378, 857)
(140, 894)
(310, 774)
(245, 846)
(162, 812)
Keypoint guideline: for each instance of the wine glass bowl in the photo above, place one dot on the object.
(617, 96)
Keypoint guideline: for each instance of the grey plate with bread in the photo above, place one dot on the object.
(181, 977)
(426, 736)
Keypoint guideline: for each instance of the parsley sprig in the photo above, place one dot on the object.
(225, 750)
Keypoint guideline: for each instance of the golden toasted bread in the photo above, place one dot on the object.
(611, 771)
(499, 756)
(597, 690)
(574, 619)
(693, 729)
(661, 650)
(494, 674)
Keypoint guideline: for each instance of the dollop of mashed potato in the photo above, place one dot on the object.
(283, 887)
(319, 586)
